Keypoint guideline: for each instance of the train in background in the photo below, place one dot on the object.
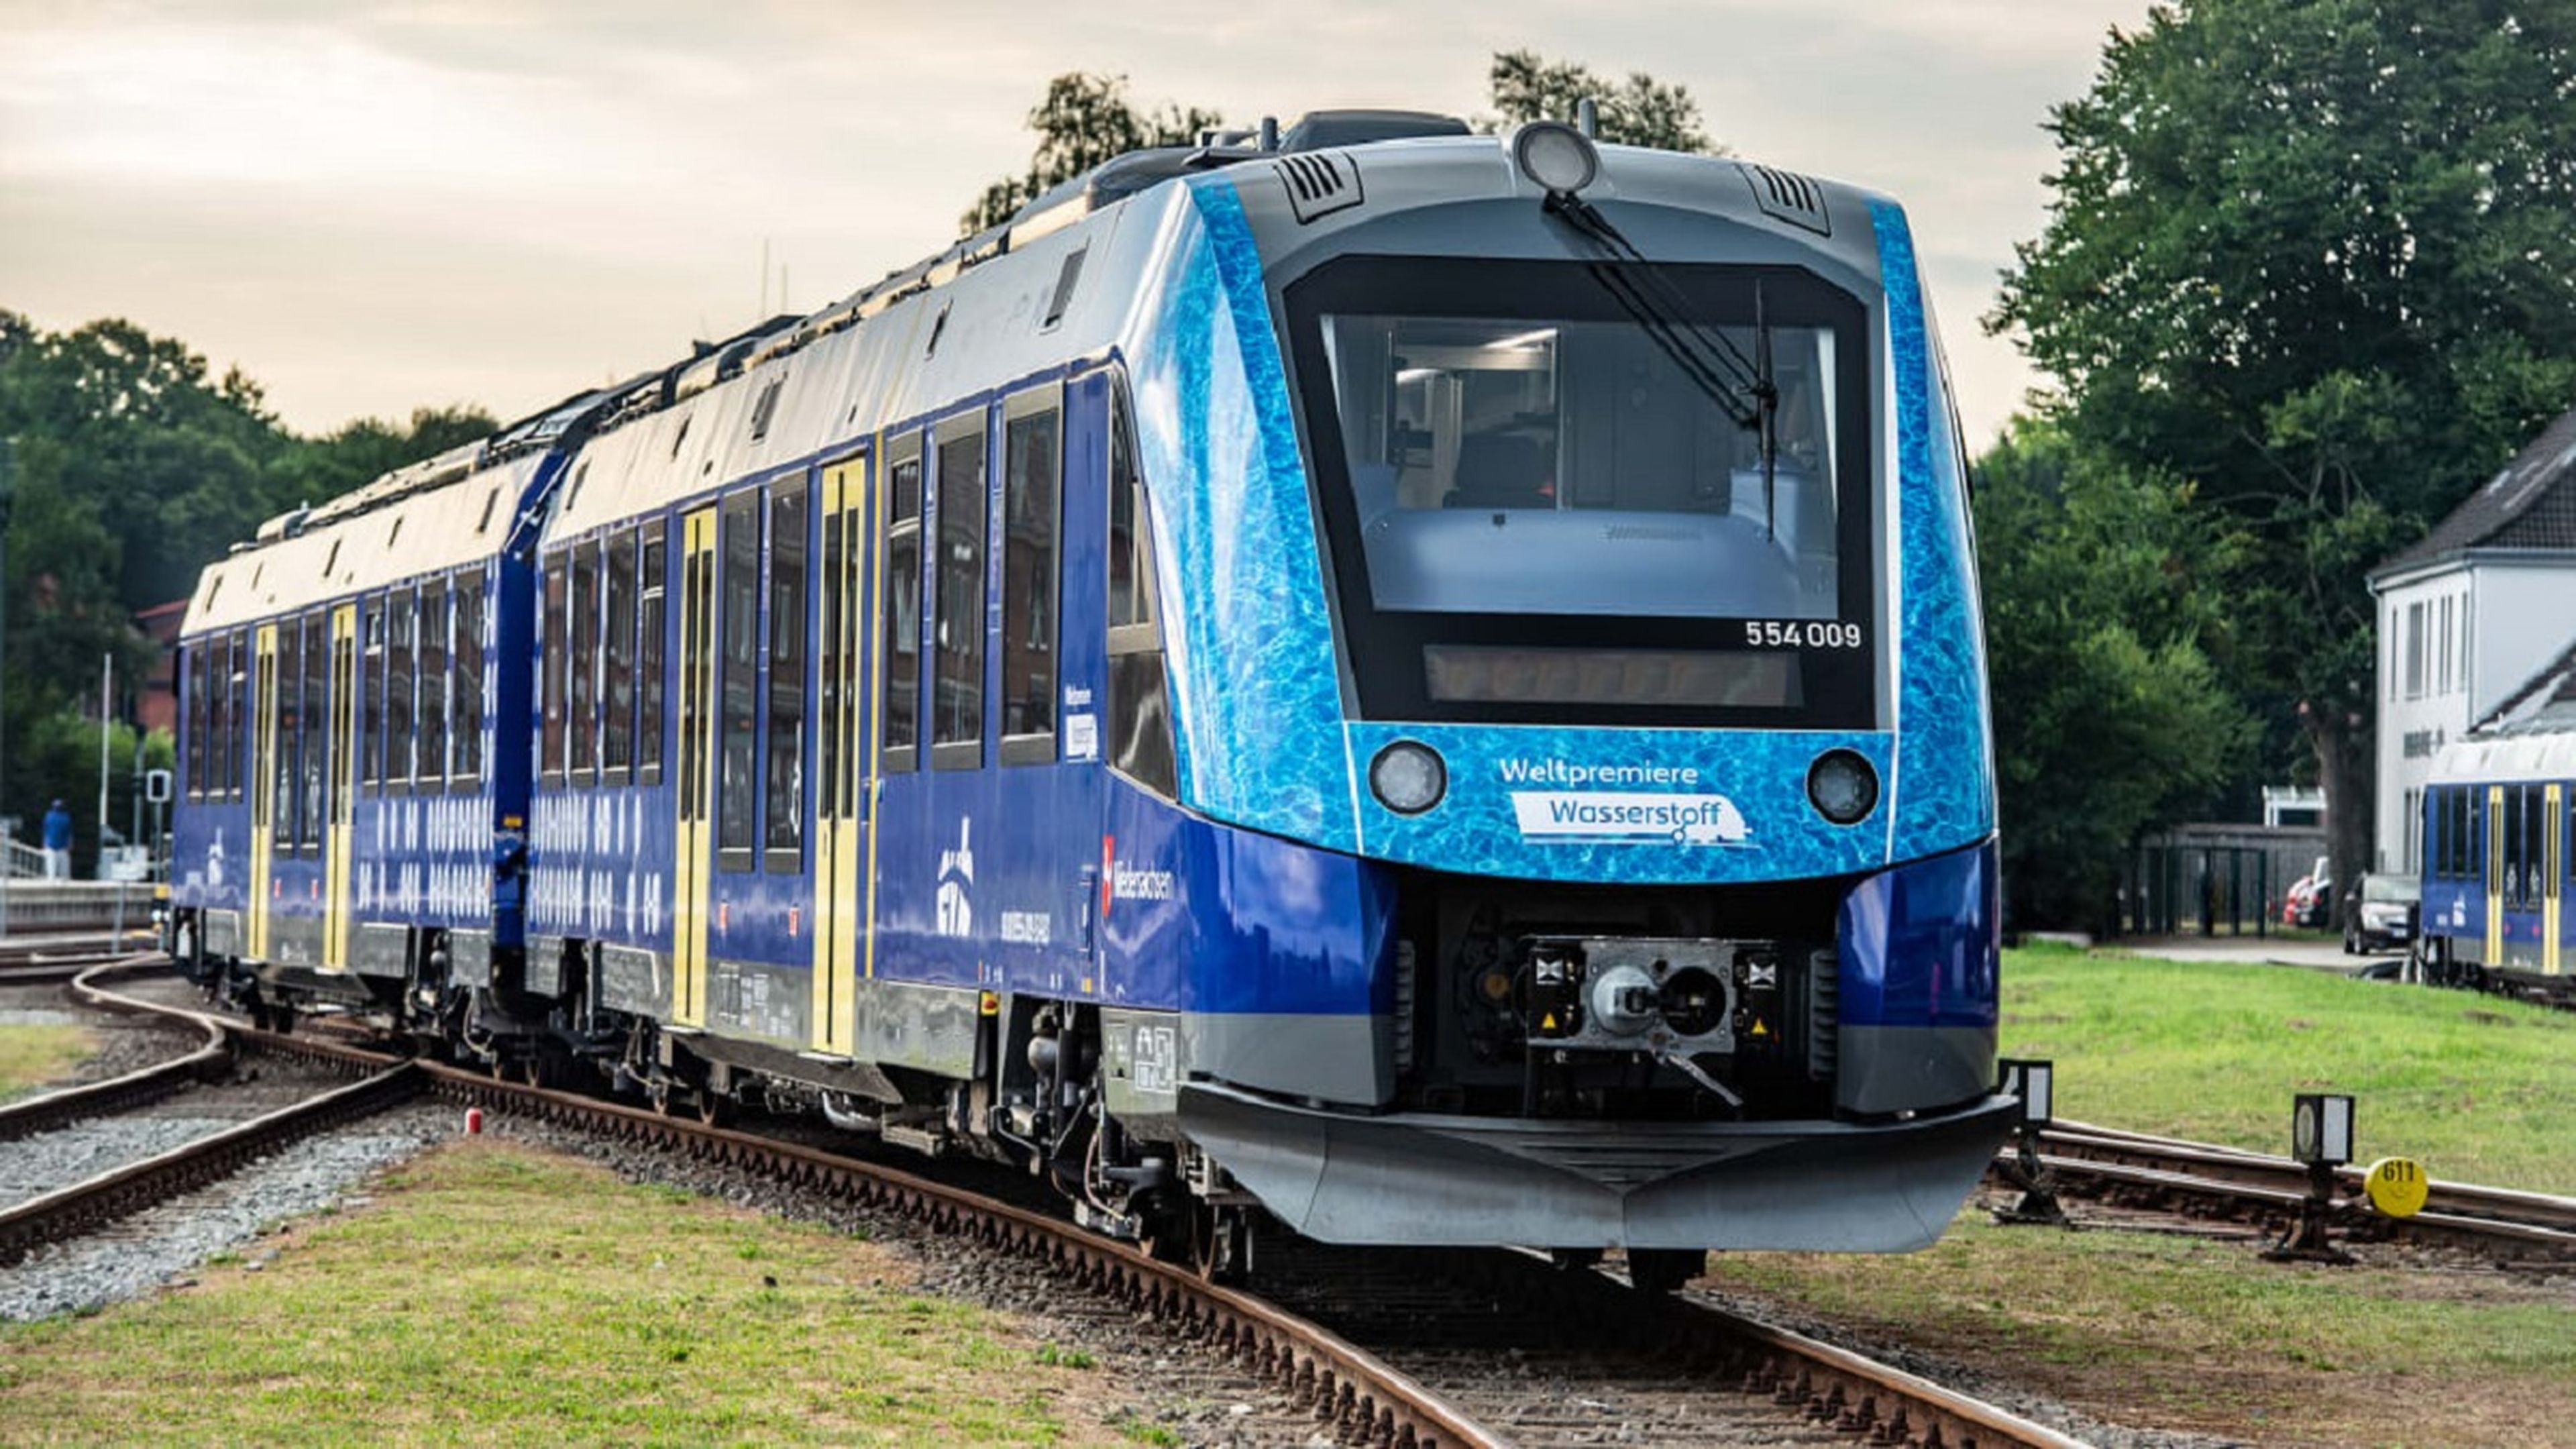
(1426, 685)
(2496, 852)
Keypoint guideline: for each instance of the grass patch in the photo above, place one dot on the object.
(31, 1056)
(2191, 1334)
(494, 1294)
(2474, 1087)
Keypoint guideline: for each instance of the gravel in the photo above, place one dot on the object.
(164, 1244)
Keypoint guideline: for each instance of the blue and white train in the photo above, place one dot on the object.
(2498, 859)
(1422, 683)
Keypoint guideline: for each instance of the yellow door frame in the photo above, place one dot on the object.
(341, 770)
(263, 792)
(2553, 870)
(2495, 876)
(836, 833)
(697, 768)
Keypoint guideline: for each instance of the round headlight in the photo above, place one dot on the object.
(1556, 156)
(1408, 778)
(1842, 786)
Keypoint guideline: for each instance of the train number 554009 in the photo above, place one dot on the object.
(1801, 634)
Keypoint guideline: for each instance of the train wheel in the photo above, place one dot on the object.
(1213, 1242)
(714, 1108)
(1664, 1270)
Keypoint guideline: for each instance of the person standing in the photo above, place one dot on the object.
(58, 843)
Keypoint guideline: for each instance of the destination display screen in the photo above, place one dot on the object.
(1695, 678)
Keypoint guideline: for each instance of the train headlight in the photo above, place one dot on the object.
(1842, 786)
(1556, 156)
(1408, 778)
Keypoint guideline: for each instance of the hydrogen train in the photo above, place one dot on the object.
(2497, 861)
(1423, 684)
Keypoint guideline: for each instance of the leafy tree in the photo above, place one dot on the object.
(134, 467)
(1639, 111)
(2318, 256)
(2110, 718)
(1084, 120)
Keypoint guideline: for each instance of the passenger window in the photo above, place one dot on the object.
(315, 752)
(738, 652)
(901, 651)
(197, 676)
(550, 742)
(581, 672)
(1031, 456)
(1140, 719)
(401, 628)
(371, 666)
(654, 567)
(957, 602)
(237, 711)
(288, 663)
(434, 682)
(784, 835)
(617, 663)
(468, 646)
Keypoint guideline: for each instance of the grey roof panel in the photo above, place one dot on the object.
(2529, 505)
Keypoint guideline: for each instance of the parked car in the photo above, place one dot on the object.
(2386, 918)
(2305, 905)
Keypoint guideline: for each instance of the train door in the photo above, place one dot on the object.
(339, 789)
(840, 805)
(263, 794)
(2497, 875)
(2553, 834)
(697, 768)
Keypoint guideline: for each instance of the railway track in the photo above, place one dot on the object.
(2135, 1169)
(1666, 1370)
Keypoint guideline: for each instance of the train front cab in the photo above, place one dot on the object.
(1674, 882)
(2498, 856)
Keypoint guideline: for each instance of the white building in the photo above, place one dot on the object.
(2468, 618)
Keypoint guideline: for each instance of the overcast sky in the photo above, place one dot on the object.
(373, 207)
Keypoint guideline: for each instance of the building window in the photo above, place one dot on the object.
(2444, 634)
(957, 604)
(738, 652)
(901, 652)
(784, 835)
(1031, 454)
(2415, 651)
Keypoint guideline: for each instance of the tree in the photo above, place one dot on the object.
(2318, 256)
(1639, 111)
(2110, 718)
(1084, 121)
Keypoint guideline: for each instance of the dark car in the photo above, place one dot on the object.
(2384, 919)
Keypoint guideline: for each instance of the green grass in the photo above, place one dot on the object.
(31, 1056)
(2476, 1088)
(491, 1294)
(2187, 1333)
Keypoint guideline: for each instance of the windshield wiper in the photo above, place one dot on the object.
(1741, 387)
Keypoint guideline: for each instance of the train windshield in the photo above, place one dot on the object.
(1544, 505)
